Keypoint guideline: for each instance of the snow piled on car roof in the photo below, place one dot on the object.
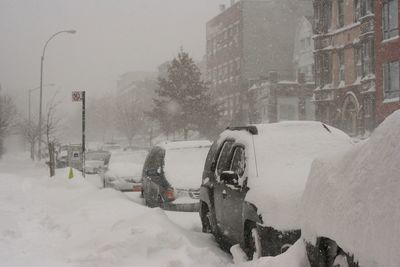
(127, 164)
(354, 198)
(184, 163)
(184, 144)
(279, 163)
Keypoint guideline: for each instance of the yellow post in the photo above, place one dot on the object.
(71, 173)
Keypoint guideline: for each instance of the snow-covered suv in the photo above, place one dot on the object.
(351, 203)
(253, 181)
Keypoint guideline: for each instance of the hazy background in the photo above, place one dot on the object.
(113, 37)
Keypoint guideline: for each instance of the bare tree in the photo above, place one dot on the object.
(29, 132)
(7, 115)
(52, 127)
(129, 117)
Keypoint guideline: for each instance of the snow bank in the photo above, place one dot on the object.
(184, 163)
(279, 163)
(295, 256)
(69, 222)
(353, 198)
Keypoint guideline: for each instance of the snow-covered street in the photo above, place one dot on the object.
(62, 222)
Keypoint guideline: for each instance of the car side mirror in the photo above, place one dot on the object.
(230, 177)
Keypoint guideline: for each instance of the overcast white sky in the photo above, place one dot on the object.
(113, 37)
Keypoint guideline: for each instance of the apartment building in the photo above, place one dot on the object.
(344, 41)
(245, 42)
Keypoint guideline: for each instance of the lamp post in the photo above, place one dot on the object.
(29, 99)
(41, 87)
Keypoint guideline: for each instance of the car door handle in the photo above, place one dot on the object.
(224, 194)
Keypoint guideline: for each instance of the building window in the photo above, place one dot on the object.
(341, 65)
(326, 69)
(391, 80)
(326, 16)
(340, 13)
(368, 57)
(367, 7)
(356, 10)
(357, 62)
(390, 19)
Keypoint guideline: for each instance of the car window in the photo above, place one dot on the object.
(222, 164)
(155, 160)
(238, 163)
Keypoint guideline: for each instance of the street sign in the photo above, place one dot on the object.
(77, 96)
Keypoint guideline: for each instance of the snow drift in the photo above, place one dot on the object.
(62, 222)
(353, 198)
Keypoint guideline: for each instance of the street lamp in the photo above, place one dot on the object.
(41, 87)
(29, 99)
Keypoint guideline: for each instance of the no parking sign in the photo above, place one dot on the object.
(77, 96)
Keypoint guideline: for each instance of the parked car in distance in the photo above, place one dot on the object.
(96, 161)
(253, 180)
(172, 174)
(124, 171)
(351, 203)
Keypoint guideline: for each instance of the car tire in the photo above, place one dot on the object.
(205, 220)
(160, 201)
(252, 239)
(333, 255)
(207, 226)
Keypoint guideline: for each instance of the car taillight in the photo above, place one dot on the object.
(137, 188)
(170, 194)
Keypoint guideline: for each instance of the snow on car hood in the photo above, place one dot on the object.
(183, 166)
(279, 160)
(353, 198)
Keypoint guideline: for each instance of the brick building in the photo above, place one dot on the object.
(245, 42)
(387, 58)
(344, 64)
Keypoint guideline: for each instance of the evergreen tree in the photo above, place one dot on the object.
(184, 102)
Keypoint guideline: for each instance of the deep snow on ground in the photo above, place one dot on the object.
(295, 256)
(74, 222)
(62, 222)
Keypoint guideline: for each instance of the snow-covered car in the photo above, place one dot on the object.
(96, 161)
(351, 203)
(253, 180)
(171, 174)
(124, 171)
